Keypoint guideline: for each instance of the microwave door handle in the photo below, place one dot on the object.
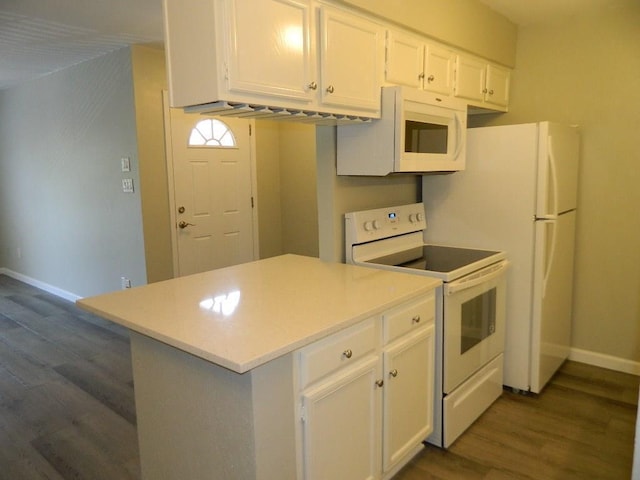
(466, 283)
(458, 136)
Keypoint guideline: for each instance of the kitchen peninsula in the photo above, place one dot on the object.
(236, 370)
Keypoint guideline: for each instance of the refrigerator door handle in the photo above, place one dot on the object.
(554, 176)
(550, 256)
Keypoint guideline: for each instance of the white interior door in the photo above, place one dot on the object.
(212, 172)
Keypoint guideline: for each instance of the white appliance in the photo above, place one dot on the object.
(470, 308)
(518, 193)
(418, 132)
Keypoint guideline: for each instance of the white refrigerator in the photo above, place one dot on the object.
(518, 194)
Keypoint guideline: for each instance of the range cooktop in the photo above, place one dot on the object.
(434, 258)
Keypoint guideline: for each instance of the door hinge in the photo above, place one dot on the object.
(252, 202)
(249, 129)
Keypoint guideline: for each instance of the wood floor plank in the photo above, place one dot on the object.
(7, 306)
(59, 329)
(19, 460)
(7, 324)
(33, 303)
(37, 346)
(104, 388)
(93, 448)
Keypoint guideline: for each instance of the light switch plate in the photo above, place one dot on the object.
(127, 185)
(125, 163)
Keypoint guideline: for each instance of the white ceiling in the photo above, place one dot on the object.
(529, 12)
(38, 37)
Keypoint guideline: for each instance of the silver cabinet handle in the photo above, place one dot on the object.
(416, 319)
(393, 373)
(312, 86)
(330, 89)
(347, 353)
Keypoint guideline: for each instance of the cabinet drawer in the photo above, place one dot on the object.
(338, 350)
(408, 317)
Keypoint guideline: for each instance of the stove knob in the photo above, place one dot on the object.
(376, 225)
(412, 217)
(420, 217)
(368, 226)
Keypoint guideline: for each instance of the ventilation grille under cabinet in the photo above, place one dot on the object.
(246, 110)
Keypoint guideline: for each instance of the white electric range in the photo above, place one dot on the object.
(470, 316)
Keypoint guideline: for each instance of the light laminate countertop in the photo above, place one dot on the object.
(242, 316)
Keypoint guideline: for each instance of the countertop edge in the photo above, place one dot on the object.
(267, 357)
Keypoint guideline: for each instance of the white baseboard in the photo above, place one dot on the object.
(605, 361)
(41, 285)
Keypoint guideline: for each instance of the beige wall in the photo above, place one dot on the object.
(586, 71)
(466, 24)
(299, 192)
(287, 199)
(339, 195)
(269, 190)
(149, 79)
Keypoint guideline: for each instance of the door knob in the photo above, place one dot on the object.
(184, 224)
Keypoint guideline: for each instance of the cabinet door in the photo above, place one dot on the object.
(470, 78)
(408, 367)
(404, 60)
(351, 58)
(438, 70)
(341, 425)
(270, 49)
(497, 86)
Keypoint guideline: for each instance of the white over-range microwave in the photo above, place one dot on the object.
(418, 132)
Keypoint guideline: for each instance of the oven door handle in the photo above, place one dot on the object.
(470, 281)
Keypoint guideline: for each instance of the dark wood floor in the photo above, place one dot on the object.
(67, 409)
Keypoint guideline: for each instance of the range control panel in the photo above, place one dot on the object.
(369, 225)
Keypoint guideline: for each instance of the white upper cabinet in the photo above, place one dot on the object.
(438, 69)
(303, 56)
(234, 56)
(404, 59)
(412, 62)
(498, 79)
(351, 60)
(272, 56)
(481, 83)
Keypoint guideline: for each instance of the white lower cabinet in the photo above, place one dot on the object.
(366, 413)
(341, 438)
(408, 395)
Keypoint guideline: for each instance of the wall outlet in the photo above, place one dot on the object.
(125, 283)
(127, 185)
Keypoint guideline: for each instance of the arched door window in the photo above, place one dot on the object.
(213, 133)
